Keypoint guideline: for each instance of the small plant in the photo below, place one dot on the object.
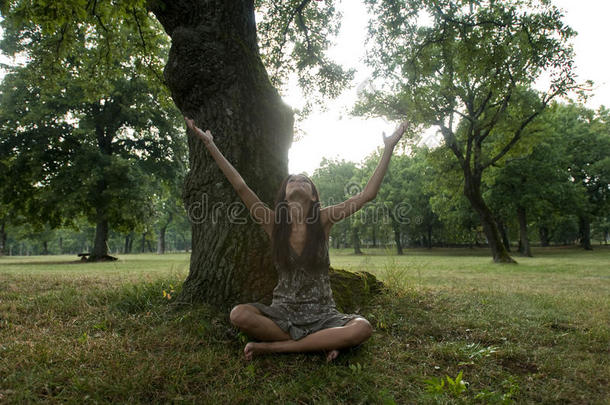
(356, 368)
(82, 339)
(242, 337)
(435, 385)
(379, 321)
(168, 294)
(452, 386)
(457, 386)
(103, 325)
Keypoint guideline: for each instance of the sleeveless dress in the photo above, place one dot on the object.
(302, 300)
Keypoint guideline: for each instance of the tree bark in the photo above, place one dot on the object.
(584, 229)
(104, 143)
(2, 237)
(162, 229)
(128, 243)
(524, 245)
(143, 245)
(356, 241)
(100, 244)
(397, 240)
(161, 241)
(504, 234)
(543, 232)
(472, 191)
(216, 76)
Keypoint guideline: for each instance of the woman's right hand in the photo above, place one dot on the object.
(206, 136)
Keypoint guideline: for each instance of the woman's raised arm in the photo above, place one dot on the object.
(335, 213)
(259, 210)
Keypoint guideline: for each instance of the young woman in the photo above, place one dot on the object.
(302, 316)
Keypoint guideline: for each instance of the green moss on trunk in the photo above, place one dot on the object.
(352, 291)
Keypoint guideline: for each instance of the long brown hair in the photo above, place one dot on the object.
(281, 227)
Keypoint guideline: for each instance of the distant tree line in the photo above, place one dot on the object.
(552, 190)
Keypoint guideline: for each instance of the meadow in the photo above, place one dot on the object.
(452, 327)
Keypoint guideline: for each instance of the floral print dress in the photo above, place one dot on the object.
(302, 300)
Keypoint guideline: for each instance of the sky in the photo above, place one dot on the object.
(334, 134)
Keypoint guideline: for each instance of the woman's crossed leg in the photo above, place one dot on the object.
(252, 322)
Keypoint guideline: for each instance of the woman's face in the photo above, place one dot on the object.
(299, 185)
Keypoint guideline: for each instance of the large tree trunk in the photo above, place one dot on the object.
(524, 243)
(100, 245)
(216, 76)
(104, 143)
(472, 191)
(584, 229)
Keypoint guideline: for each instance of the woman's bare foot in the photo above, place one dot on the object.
(249, 350)
(255, 347)
(330, 356)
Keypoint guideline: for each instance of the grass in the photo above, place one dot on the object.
(454, 328)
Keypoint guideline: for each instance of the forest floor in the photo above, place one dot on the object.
(453, 328)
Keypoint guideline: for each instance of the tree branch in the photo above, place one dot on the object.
(148, 62)
(103, 27)
(296, 10)
(481, 108)
(450, 140)
(494, 120)
(515, 138)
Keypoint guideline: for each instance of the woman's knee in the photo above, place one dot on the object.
(362, 330)
(240, 315)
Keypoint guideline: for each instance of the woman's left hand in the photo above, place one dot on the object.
(392, 140)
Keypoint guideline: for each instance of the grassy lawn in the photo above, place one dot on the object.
(536, 332)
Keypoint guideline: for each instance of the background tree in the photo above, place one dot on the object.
(587, 135)
(92, 157)
(461, 224)
(468, 72)
(419, 174)
(392, 200)
(333, 179)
